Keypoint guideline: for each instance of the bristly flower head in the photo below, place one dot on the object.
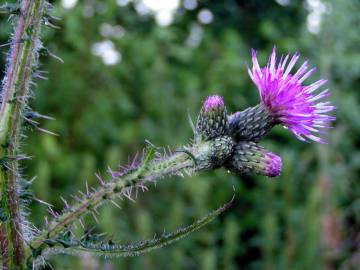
(274, 165)
(250, 158)
(213, 103)
(292, 103)
(212, 121)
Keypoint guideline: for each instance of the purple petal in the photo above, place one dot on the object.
(292, 103)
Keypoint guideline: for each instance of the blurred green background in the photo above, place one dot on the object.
(133, 70)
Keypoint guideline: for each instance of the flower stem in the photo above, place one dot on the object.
(155, 170)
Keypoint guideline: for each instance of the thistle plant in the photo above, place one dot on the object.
(221, 140)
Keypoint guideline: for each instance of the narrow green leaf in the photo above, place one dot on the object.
(191, 123)
(148, 157)
(111, 249)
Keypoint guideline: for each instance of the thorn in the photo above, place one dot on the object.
(48, 23)
(191, 122)
(38, 115)
(43, 202)
(114, 203)
(47, 131)
(46, 263)
(65, 203)
(116, 174)
(143, 188)
(53, 213)
(134, 161)
(96, 211)
(30, 115)
(30, 121)
(52, 16)
(143, 154)
(76, 198)
(53, 55)
(94, 216)
(98, 177)
(81, 223)
(22, 157)
(87, 188)
(33, 84)
(9, 8)
(122, 167)
(88, 232)
(150, 144)
(37, 75)
(5, 44)
(127, 193)
(82, 194)
(187, 172)
(169, 150)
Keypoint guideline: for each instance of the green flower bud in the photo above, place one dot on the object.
(214, 153)
(249, 158)
(212, 121)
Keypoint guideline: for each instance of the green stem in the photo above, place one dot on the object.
(154, 170)
(23, 55)
(202, 155)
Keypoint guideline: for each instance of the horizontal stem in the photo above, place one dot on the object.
(154, 171)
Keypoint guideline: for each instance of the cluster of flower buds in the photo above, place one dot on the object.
(285, 100)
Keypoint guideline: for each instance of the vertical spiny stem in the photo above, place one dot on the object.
(22, 57)
(3, 249)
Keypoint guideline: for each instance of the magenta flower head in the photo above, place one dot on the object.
(273, 164)
(292, 103)
(214, 102)
(250, 158)
(212, 121)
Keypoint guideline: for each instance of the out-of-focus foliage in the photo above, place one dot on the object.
(306, 219)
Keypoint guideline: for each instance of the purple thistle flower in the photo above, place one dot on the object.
(213, 102)
(273, 164)
(292, 104)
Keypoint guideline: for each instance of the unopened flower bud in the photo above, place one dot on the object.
(212, 121)
(249, 158)
(212, 154)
